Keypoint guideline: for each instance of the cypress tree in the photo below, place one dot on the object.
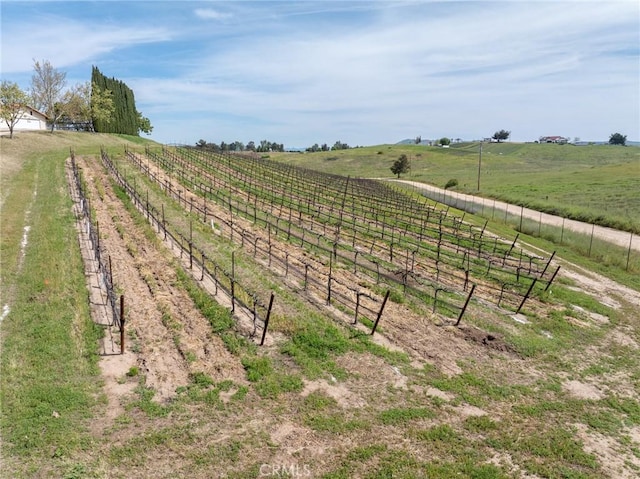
(125, 115)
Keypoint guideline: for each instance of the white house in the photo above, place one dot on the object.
(30, 119)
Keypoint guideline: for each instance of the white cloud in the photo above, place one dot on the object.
(210, 14)
(396, 63)
(367, 72)
(66, 42)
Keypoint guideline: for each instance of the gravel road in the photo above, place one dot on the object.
(620, 238)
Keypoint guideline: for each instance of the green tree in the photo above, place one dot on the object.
(12, 104)
(47, 85)
(418, 140)
(125, 119)
(265, 146)
(102, 106)
(501, 135)
(444, 141)
(144, 124)
(401, 165)
(338, 145)
(618, 139)
(76, 106)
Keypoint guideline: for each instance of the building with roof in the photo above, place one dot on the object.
(30, 119)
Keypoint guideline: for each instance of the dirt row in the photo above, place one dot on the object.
(166, 336)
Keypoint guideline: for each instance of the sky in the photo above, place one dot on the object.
(360, 72)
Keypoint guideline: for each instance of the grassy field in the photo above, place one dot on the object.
(49, 381)
(561, 403)
(596, 183)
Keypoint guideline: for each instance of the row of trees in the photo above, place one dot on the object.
(263, 146)
(445, 141)
(102, 105)
(338, 145)
(125, 118)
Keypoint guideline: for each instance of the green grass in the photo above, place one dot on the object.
(549, 453)
(219, 318)
(49, 381)
(49, 386)
(475, 389)
(269, 382)
(441, 435)
(315, 342)
(480, 424)
(404, 415)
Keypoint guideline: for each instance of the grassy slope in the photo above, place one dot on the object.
(49, 381)
(587, 182)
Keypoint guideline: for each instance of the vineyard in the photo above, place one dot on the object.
(350, 244)
(248, 318)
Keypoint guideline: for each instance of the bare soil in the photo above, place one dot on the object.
(168, 338)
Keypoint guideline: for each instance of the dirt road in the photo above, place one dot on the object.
(619, 238)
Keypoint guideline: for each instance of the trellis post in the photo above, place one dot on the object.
(122, 320)
(466, 303)
(384, 302)
(266, 320)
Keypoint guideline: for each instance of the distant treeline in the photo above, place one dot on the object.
(264, 146)
(338, 145)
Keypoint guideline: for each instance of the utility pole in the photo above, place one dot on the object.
(479, 165)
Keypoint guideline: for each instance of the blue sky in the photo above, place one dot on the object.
(362, 72)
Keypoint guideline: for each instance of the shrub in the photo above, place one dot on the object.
(451, 183)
